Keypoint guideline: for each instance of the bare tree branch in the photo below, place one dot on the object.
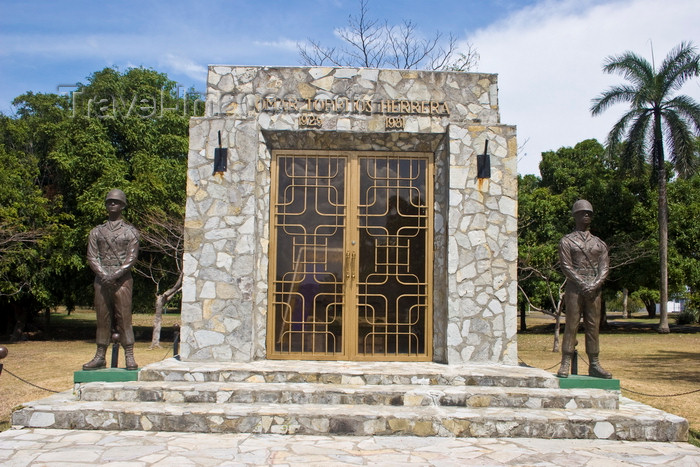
(10, 237)
(370, 43)
(314, 54)
(12, 241)
(365, 37)
(408, 51)
(162, 235)
(628, 252)
(466, 61)
(533, 306)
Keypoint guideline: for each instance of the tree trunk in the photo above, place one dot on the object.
(157, 321)
(663, 224)
(603, 316)
(557, 324)
(523, 323)
(625, 311)
(161, 301)
(651, 308)
(20, 312)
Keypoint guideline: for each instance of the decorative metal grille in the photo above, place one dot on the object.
(350, 256)
(310, 226)
(393, 217)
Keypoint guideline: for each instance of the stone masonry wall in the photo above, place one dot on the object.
(258, 109)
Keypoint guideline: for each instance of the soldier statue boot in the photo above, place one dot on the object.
(98, 361)
(129, 357)
(594, 368)
(565, 365)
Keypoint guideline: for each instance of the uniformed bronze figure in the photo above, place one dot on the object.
(112, 250)
(584, 262)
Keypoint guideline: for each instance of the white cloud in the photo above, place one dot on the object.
(283, 44)
(185, 66)
(549, 59)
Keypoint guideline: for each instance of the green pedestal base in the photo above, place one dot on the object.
(581, 381)
(109, 375)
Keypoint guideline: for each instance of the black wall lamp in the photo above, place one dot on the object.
(483, 163)
(220, 158)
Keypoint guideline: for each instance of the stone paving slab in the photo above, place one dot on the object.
(317, 393)
(57, 448)
(632, 421)
(343, 372)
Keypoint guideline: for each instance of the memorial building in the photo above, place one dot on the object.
(350, 214)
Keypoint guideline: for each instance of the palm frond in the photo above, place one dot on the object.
(614, 95)
(682, 149)
(618, 130)
(685, 107)
(630, 65)
(639, 139)
(681, 64)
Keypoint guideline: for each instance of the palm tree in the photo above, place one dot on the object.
(655, 116)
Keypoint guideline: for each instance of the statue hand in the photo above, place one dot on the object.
(590, 290)
(108, 279)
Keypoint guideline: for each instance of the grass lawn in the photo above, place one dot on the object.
(644, 362)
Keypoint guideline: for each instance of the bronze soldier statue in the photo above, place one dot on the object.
(584, 262)
(112, 250)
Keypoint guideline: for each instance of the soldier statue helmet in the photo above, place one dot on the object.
(581, 205)
(116, 194)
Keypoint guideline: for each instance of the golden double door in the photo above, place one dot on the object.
(351, 256)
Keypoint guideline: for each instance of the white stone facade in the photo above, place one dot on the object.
(227, 225)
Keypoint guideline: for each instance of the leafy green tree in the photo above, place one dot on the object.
(540, 226)
(120, 129)
(684, 231)
(31, 215)
(655, 114)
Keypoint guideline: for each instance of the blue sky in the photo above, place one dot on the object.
(548, 53)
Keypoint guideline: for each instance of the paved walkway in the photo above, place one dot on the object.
(56, 448)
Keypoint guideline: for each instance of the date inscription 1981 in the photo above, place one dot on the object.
(394, 123)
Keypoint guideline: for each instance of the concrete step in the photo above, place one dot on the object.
(632, 421)
(333, 394)
(351, 373)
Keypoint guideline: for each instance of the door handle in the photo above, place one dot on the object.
(350, 265)
(352, 270)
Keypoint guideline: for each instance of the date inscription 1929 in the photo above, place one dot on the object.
(310, 121)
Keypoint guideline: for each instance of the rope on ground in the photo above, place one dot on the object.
(660, 395)
(526, 364)
(27, 382)
(621, 388)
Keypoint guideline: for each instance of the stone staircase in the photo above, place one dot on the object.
(354, 398)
